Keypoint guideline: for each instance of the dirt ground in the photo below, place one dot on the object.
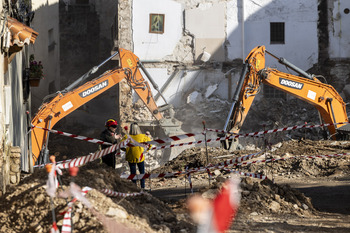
(300, 195)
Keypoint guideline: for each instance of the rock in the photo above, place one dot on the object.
(305, 207)
(278, 198)
(210, 194)
(254, 214)
(116, 213)
(40, 198)
(217, 172)
(220, 179)
(245, 193)
(274, 206)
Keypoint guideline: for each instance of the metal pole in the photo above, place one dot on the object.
(206, 148)
(154, 84)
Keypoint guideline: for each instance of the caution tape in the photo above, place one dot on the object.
(219, 166)
(280, 129)
(59, 162)
(67, 218)
(111, 193)
(253, 175)
(85, 159)
(188, 171)
(173, 138)
(83, 138)
(184, 136)
(244, 135)
(293, 157)
(93, 156)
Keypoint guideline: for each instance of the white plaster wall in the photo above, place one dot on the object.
(300, 17)
(339, 30)
(17, 135)
(150, 46)
(160, 76)
(207, 24)
(183, 85)
(2, 98)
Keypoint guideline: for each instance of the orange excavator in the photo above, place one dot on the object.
(306, 87)
(71, 98)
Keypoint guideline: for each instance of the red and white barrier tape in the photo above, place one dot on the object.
(220, 166)
(172, 138)
(165, 175)
(184, 136)
(258, 176)
(67, 218)
(83, 138)
(293, 157)
(279, 130)
(111, 193)
(59, 162)
(82, 160)
(93, 156)
(244, 135)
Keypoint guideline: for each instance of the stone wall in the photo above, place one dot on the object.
(10, 163)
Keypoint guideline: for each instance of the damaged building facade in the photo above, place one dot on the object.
(194, 50)
(197, 54)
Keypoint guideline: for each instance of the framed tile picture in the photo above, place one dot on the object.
(156, 23)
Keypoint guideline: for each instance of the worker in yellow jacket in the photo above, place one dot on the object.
(135, 155)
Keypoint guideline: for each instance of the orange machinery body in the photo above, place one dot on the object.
(63, 104)
(324, 97)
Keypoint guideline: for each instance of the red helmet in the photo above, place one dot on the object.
(111, 122)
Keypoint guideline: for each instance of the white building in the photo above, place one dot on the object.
(204, 40)
(15, 79)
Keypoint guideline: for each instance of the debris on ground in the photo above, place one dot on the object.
(273, 204)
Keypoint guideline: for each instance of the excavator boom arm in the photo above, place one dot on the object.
(308, 88)
(248, 87)
(323, 96)
(63, 104)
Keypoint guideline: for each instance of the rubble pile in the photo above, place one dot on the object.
(26, 207)
(268, 197)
